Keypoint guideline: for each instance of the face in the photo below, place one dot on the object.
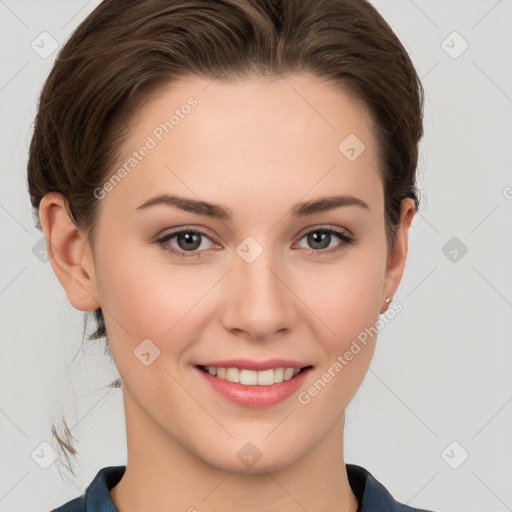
(259, 279)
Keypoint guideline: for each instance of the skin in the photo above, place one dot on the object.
(257, 147)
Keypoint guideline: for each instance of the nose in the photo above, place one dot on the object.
(259, 300)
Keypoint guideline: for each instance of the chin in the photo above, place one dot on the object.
(234, 465)
(251, 458)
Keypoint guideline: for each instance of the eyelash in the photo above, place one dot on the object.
(344, 237)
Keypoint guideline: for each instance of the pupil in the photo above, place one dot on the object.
(319, 237)
(189, 238)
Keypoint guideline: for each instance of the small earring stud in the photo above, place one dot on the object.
(387, 302)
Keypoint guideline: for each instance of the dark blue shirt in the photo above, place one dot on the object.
(371, 494)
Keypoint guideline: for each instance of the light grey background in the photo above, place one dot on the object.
(442, 368)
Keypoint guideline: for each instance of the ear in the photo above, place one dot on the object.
(397, 254)
(69, 253)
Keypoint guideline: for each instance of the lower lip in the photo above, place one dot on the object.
(255, 396)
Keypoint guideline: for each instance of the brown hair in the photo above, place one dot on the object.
(127, 50)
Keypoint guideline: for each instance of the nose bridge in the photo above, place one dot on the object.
(260, 303)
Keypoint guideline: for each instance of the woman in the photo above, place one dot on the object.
(228, 185)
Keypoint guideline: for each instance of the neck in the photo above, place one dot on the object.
(161, 474)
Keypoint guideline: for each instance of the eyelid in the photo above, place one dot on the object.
(344, 235)
(208, 233)
(327, 227)
(186, 228)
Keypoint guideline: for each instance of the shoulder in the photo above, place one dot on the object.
(97, 495)
(372, 495)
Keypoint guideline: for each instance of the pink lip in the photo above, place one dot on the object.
(249, 364)
(254, 396)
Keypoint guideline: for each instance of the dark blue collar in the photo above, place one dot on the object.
(371, 494)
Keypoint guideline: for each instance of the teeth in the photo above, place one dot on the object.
(233, 374)
(251, 377)
(264, 378)
(288, 373)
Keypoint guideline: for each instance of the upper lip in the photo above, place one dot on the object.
(250, 364)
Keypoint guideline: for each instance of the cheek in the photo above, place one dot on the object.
(147, 295)
(350, 312)
(346, 297)
(347, 300)
(143, 300)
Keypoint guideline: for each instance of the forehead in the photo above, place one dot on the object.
(304, 102)
(253, 137)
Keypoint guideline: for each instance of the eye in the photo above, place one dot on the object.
(321, 238)
(187, 240)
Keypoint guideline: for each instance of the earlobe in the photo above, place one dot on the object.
(68, 252)
(398, 252)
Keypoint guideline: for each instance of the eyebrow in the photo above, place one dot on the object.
(221, 212)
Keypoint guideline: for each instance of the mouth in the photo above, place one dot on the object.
(264, 385)
(248, 377)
